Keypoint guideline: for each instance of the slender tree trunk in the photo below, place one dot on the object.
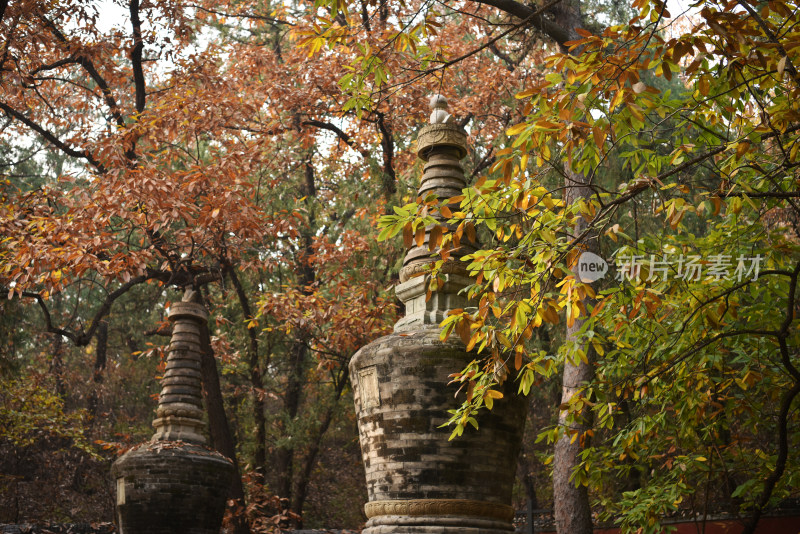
(284, 455)
(221, 437)
(389, 177)
(298, 350)
(100, 359)
(57, 365)
(571, 504)
(572, 510)
(310, 460)
(256, 378)
(531, 501)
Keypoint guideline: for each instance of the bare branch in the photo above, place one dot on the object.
(136, 56)
(50, 137)
(271, 20)
(339, 133)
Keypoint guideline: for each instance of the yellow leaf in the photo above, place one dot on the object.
(782, 65)
(617, 100)
(516, 129)
(636, 112)
(741, 148)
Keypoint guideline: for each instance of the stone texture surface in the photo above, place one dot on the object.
(171, 487)
(406, 454)
(180, 404)
(442, 137)
(436, 485)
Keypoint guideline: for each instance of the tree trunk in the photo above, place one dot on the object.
(573, 513)
(301, 487)
(572, 510)
(256, 378)
(571, 504)
(100, 358)
(57, 366)
(284, 455)
(298, 350)
(220, 432)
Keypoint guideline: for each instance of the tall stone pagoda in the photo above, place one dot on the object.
(418, 482)
(174, 483)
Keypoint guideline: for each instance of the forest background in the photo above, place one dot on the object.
(252, 150)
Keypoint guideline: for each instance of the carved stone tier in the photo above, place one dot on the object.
(434, 507)
(444, 177)
(442, 136)
(420, 310)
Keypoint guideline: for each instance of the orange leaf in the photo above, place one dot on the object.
(408, 238)
(420, 236)
(435, 237)
(471, 232)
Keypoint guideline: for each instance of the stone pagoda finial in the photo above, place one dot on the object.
(441, 145)
(180, 408)
(439, 114)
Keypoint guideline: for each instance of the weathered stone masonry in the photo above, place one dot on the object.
(174, 483)
(418, 482)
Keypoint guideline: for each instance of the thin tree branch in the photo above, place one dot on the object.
(136, 56)
(84, 337)
(271, 20)
(773, 39)
(50, 137)
(346, 139)
(783, 451)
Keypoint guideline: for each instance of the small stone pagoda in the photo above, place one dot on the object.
(174, 483)
(418, 482)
